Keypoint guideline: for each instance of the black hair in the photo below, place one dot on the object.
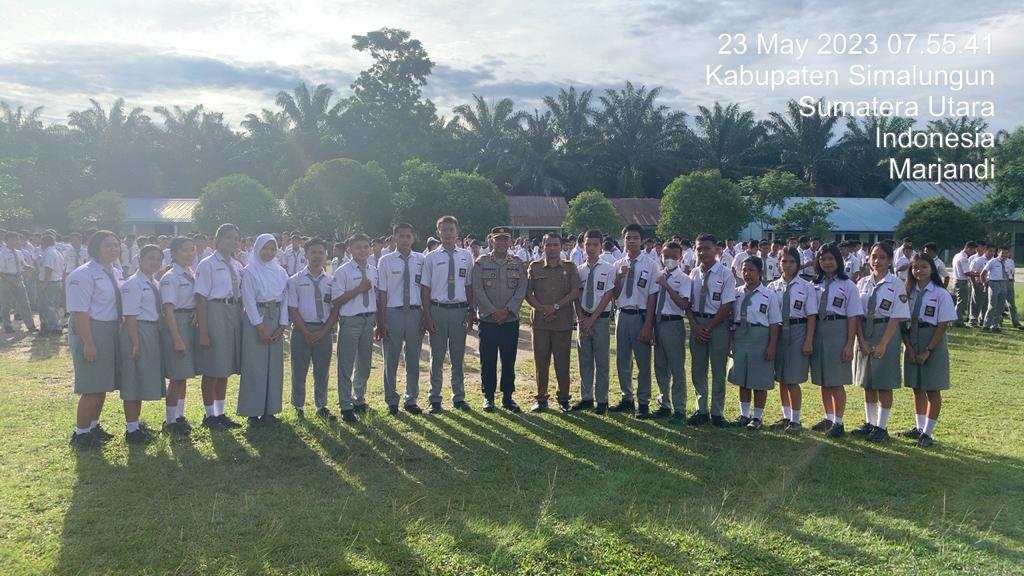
(177, 244)
(403, 226)
(314, 242)
(830, 248)
(885, 248)
(222, 230)
(705, 237)
(756, 262)
(633, 228)
(96, 240)
(793, 253)
(934, 276)
(149, 248)
(593, 233)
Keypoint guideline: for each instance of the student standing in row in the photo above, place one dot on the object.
(995, 277)
(141, 375)
(714, 291)
(311, 312)
(400, 317)
(14, 294)
(593, 311)
(94, 302)
(876, 366)
(753, 339)
(636, 292)
(446, 290)
(177, 292)
(670, 308)
(355, 297)
(926, 363)
(962, 279)
(839, 308)
(979, 295)
(799, 306)
(51, 269)
(219, 317)
(264, 302)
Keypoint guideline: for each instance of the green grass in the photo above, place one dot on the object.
(476, 493)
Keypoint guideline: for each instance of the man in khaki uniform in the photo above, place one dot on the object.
(499, 288)
(554, 284)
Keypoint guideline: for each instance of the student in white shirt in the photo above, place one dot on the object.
(931, 249)
(13, 293)
(313, 317)
(355, 298)
(293, 259)
(962, 279)
(799, 305)
(1011, 298)
(636, 293)
(51, 272)
(670, 308)
(753, 340)
(995, 276)
(713, 294)
(593, 311)
(140, 377)
(979, 293)
(178, 332)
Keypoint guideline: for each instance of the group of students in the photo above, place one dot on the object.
(780, 312)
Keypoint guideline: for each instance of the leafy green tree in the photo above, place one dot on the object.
(804, 142)
(103, 210)
(194, 147)
(1007, 200)
(590, 209)
(702, 202)
(538, 166)
(420, 196)
(475, 201)
(729, 140)
(809, 217)
(939, 220)
(488, 133)
(238, 199)
(767, 193)
(863, 168)
(117, 146)
(339, 197)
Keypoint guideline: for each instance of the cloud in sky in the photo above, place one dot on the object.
(235, 56)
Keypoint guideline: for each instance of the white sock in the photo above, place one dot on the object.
(830, 417)
(787, 413)
(919, 419)
(210, 410)
(179, 410)
(132, 426)
(218, 407)
(883, 417)
(171, 414)
(81, 430)
(871, 412)
(745, 409)
(838, 420)
(758, 412)
(94, 424)
(929, 426)
(794, 416)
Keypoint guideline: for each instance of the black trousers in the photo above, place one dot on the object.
(498, 339)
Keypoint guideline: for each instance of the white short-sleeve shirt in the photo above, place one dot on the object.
(435, 274)
(721, 288)
(803, 299)
(177, 287)
(213, 279)
(995, 268)
(293, 260)
(53, 260)
(302, 295)
(254, 294)
(765, 307)
(347, 278)
(89, 289)
(139, 298)
(679, 283)
(890, 296)
(644, 274)
(937, 307)
(390, 270)
(604, 282)
(843, 298)
(961, 265)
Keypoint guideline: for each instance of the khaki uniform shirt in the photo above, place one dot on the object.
(550, 284)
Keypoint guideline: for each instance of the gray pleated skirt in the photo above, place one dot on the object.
(827, 366)
(262, 383)
(878, 373)
(141, 379)
(179, 366)
(791, 365)
(100, 375)
(223, 357)
(933, 374)
(749, 368)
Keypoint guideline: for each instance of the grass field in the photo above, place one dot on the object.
(476, 493)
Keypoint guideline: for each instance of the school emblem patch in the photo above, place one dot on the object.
(903, 298)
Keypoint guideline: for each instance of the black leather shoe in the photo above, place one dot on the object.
(360, 409)
(348, 415)
(754, 424)
(564, 406)
(228, 422)
(270, 420)
(823, 426)
(601, 408)
(413, 409)
(924, 441)
(780, 424)
(435, 408)
(864, 429)
(184, 423)
(698, 419)
(719, 422)
(139, 436)
(102, 435)
(663, 412)
(741, 420)
(583, 405)
(462, 405)
(324, 414)
(623, 406)
(878, 434)
(255, 422)
(913, 433)
(393, 410)
(213, 423)
(174, 428)
(509, 404)
(794, 428)
(643, 412)
(836, 431)
(83, 441)
(539, 406)
(488, 405)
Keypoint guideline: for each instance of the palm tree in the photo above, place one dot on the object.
(488, 133)
(117, 147)
(313, 120)
(16, 125)
(729, 140)
(265, 148)
(959, 125)
(572, 114)
(863, 165)
(538, 163)
(195, 148)
(804, 142)
(638, 139)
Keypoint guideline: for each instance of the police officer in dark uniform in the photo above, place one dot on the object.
(499, 286)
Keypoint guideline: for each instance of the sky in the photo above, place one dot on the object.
(235, 56)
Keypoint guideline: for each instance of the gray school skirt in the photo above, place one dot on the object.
(262, 382)
(790, 363)
(179, 366)
(141, 379)
(749, 368)
(827, 366)
(878, 373)
(224, 325)
(100, 375)
(933, 374)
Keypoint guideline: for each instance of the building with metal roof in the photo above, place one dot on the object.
(158, 215)
(964, 194)
(533, 216)
(865, 219)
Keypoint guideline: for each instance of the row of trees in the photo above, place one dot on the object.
(624, 142)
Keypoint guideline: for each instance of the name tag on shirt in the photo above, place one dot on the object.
(798, 305)
(837, 302)
(716, 296)
(600, 285)
(885, 305)
(929, 310)
(764, 308)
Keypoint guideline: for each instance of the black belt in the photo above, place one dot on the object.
(668, 317)
(265, 305)
(876, 320)
(833, 317)
(601, 315)
(411, 307)
(360, 315)
(450, 305)
(797, 321)
(228, 300)
(749, 324)
(147, 321)
(632, 311)
(184, 310)
(703, 315)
